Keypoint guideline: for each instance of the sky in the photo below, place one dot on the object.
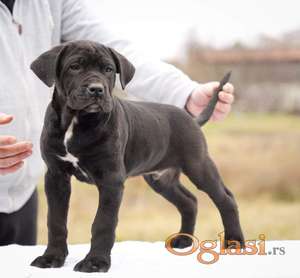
(162, 26)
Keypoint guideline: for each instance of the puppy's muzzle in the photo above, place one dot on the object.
(95, 90)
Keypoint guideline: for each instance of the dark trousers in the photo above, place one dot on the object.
(20, 227)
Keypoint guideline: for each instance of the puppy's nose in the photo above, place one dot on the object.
(95, 90)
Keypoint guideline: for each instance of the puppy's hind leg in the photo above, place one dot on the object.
(206, 177)
(167, 184)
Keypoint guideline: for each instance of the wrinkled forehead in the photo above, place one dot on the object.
(88, 50)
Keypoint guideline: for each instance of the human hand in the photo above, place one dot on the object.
(201, 96)
(12, 153)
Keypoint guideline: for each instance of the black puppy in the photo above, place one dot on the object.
(103, 140)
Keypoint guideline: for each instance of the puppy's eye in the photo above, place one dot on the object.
(109, 69)
(75, 66)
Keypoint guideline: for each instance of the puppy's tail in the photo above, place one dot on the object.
(209, 109)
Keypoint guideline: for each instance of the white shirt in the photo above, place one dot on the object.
(46, 23)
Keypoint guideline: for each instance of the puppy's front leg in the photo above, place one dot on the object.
(58, 190)
(103, 230)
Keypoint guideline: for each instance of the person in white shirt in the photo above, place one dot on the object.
(30, 27)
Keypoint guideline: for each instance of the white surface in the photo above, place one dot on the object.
(144, 259)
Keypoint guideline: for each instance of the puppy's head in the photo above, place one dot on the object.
(84, 74)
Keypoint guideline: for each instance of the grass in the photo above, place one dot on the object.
(258, 157)
(258, 154)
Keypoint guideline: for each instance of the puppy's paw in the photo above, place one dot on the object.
(48, 261)
(181, 242)
(92, 264)
(234, 242)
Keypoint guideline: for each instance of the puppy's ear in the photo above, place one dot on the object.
(44, 66)
(124, 67)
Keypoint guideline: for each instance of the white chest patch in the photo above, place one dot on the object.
(70, 157)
